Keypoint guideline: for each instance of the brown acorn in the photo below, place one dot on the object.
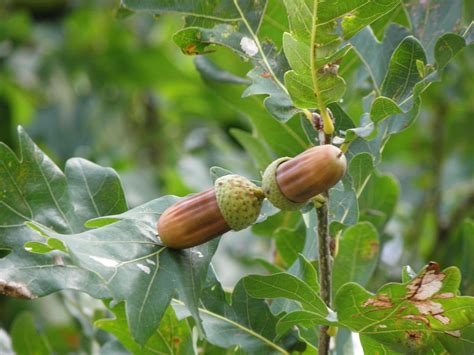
(234, 203)
(289, 183)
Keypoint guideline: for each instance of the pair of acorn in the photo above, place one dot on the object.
(234, 202)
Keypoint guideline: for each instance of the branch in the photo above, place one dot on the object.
(325, 269)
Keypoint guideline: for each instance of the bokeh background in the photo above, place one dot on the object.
(87, 80)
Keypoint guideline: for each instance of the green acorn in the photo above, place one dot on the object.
(234, 203)
(289, 183)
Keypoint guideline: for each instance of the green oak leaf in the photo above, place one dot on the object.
(432, 19)
(446, 47)
(383, 107)
(393, 65)
(410, 316)
(254, 147)
(343, 206)
(246, 323)
(315, 25)
(458, 342)
(357, 256)
(33, 188)
(171, 337)
(402, 74)
(25, 337)
(127, 258)
(332, 88)
(285, 285)
(360, 169)
(378, 200)
(243, 27)
(372, 346)
(115, 260)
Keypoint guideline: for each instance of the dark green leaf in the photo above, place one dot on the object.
(26, 339)
(447, 46)
(210, 71)
(431, 19)
(254, 147)
(357, 256)
(171, 337)
(285, 285)
(459, 342)
(247, 323)
(402, 74)
(383, 107)
(467, 266)
(289, 243)
(378, 200)
(34, 189)
(129, 259)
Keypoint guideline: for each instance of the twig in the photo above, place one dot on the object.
(325, 269)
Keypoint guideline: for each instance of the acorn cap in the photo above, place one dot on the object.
(239, 200)
(272, 190)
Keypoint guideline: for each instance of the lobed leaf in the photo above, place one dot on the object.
(410, 316)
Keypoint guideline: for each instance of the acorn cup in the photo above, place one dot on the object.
(233, 204)
(289, 183)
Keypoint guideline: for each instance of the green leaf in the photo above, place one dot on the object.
(357, 256)
(117, 259)
(303, 269)
(378, 200)
(360, 169)
(254, 147)
(467, 266)
(25, 337)
(409, 316)
(459, 342)
(355, 15)
(37, 247)
(446, 47)
(219, 10)
(364, 13)
(284, 285)
(305, 319)
(246, 323)
(372, 346)
(211, 72)
(432, 19)
(171, 337)
(392, 64)
(281, 138)
(402, 74)
(289, 243)
(332, 88)
(382, 108)
(376, 55)
(235, 26)
(34, 189)
(343, 206)
(133, 257)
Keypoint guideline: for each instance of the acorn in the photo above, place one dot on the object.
(289, 183)
(233, 204)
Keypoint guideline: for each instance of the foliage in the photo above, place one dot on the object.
(369, 62)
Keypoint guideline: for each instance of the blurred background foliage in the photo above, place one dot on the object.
(87, 80)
